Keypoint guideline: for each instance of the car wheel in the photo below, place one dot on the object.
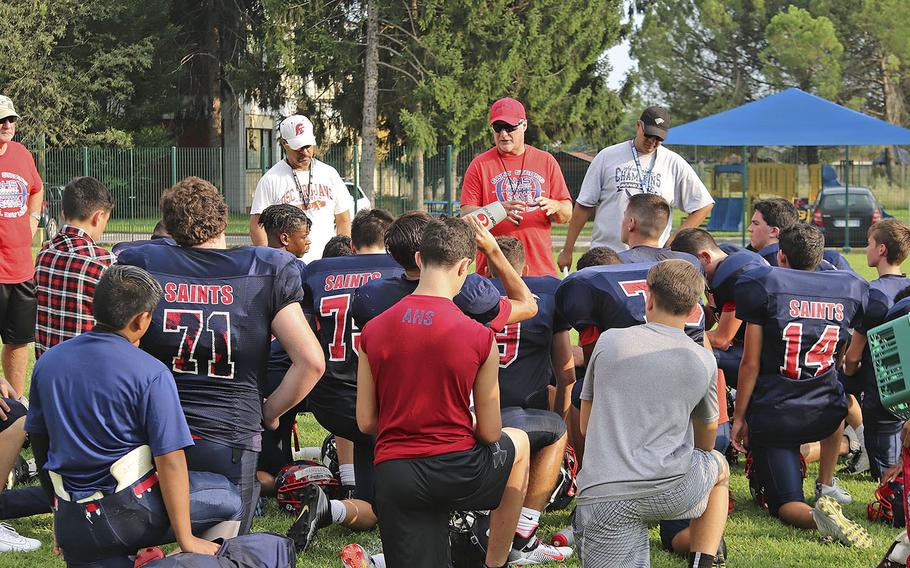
(51, 229)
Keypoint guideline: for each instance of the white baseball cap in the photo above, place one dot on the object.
(6, 107)
(297, 131)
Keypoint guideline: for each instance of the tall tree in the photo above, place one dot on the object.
(70, 65)
(370, 97)
(803, 51)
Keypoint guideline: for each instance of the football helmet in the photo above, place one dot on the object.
(888, 506)
(566, 485)
(291, 480)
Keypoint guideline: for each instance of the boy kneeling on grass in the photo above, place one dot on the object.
(420, 362)
(108, 434)
(664, 467)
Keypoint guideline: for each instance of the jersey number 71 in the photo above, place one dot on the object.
(190, 323)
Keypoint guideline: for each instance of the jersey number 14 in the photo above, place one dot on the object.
(820, 356)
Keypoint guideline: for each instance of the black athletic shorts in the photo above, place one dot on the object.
(414, 498)
(542, 426)
(18, 313)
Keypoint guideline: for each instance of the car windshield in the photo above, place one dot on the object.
(836, 201)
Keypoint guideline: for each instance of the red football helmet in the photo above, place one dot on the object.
(291, 480)
(888, 506)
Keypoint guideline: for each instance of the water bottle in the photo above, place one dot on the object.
(565, 537)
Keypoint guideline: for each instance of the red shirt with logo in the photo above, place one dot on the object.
(18, 180)
(424, 355)
(499, 177)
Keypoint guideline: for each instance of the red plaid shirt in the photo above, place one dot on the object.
(66, 272)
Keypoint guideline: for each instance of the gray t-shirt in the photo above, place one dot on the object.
(613, 177)
(646, 384)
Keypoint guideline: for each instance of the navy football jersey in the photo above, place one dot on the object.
(730, 248)
(805, 319)
(212, 329)
(525, 366)
(478, 299)
(643, 253)
(329, 287)
(723, 283)
(122, 246)
(613, 296)
(881, 299)
(899, 309)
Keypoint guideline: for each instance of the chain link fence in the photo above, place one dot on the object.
(137, 176)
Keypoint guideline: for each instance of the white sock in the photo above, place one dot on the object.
(859, 434)
(339, 512)
(346, 472)
(378, 560)
(527, 522)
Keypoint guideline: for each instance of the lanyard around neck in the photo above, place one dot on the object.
(305, 199)
(512, 188)
(641, 179)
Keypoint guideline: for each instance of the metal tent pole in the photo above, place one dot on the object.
(846, 198)
(745, 192)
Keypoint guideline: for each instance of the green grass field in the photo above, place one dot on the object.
(754, 539)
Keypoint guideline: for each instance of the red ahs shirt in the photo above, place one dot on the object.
(424, 377)
(496, 177)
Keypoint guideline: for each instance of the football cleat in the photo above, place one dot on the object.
(538, 552)
(354, 556)
(315, 513)
(834, 491)
(831, 523)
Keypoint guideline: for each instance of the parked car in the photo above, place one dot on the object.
(361, 200)
(829, 214)
(51, 211)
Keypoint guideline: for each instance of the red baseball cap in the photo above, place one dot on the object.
(507, 110)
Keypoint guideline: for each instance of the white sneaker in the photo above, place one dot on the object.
(835, 491)
(831, 523)
(538, 552)
(11, 541)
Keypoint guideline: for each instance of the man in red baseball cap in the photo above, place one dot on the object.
(526, 180)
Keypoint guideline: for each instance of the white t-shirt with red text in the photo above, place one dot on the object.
(321, 200)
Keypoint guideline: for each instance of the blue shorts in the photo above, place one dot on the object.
(728, 361)
(544, 428)
(779, 473)
(576, 391)
(883, 442)
(236, 464)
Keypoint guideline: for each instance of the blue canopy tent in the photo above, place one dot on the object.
(789, 118)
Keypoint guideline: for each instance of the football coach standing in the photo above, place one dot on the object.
(640, 165)
(528, 183)
(21, 196)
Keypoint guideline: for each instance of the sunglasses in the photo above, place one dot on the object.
(500, 126)
(9, 119)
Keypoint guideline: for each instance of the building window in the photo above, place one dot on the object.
(258, 148)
